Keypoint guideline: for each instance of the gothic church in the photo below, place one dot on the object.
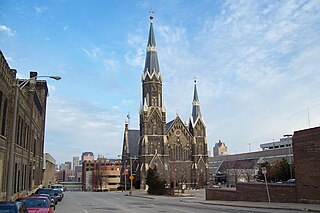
(179, 151)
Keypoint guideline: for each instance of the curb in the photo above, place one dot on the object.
(259, 207)
(236, 205)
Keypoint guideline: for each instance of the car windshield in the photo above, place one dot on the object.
(45, 191)
(7, 209)
(57, 186)
(35, 202)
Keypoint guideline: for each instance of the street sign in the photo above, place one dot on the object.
(131, 177)
(125, 172)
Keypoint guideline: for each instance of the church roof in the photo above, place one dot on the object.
(168, 125)
(237, 164)
(151, 63)
(133, 138)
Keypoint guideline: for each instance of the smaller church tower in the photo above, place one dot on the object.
(197, 128)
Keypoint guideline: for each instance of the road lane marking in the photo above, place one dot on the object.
(181, 210)
(85, 211)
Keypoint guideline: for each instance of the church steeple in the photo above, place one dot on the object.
(195, 104)
(151, 63)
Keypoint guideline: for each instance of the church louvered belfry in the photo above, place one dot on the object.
(178, 150)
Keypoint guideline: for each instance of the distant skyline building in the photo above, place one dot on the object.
(75, 162)
(220, 148)
(87, 156)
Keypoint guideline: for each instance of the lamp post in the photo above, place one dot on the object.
(131, 176)
(18, 87)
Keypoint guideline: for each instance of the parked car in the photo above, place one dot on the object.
(48, 191)
(12, 207)
(58, 186)
(37, 204)
(49, 198)
(58, 193)
(293, 181)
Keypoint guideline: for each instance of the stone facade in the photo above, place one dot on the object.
(49, 170)
(29, 144)
(178, 151)
(306, 148)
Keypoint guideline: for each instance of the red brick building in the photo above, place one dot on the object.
(101, 174)
(306, 149)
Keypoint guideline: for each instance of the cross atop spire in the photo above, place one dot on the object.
(151, 14)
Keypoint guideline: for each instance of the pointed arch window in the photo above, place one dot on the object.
(4, 117)
(148, 99)
(178, 152)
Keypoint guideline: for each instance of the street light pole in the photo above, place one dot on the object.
(131, 177)
(10, 175)
(131, 174)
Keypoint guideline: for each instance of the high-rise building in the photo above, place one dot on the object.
(178, 151)
(220, 148)
(75, 162)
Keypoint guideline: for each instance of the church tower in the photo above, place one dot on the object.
(152, 151)
(197, 128)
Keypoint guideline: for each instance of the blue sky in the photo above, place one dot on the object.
(257, 65)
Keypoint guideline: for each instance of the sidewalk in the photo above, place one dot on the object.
(198, 197)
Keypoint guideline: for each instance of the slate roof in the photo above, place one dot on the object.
(195, 105)
(151, 63)
(237, 164)
(169, 124)
(133, 137)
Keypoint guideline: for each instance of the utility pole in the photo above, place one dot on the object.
(264, 171)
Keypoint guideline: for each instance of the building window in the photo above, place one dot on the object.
(178, 152)
(4, 117)
(34, 147)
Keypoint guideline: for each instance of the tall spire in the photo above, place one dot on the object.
(195, 103)
(151, 64)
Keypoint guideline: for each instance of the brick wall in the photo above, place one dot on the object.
(221, 194)
(256, 192)
(306, 149)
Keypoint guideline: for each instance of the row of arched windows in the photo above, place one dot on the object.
(178, 153)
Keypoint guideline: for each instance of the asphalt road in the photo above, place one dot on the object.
(98, 202)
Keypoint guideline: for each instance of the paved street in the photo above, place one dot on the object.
(97, 202)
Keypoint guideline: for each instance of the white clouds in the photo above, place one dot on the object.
(40, 9)
(94, 53)
(136, 54)
(84, 127)
(110, 64)
(7, 30)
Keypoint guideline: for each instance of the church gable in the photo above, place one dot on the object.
(154, 123)
(179, 141)
(179, 129)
